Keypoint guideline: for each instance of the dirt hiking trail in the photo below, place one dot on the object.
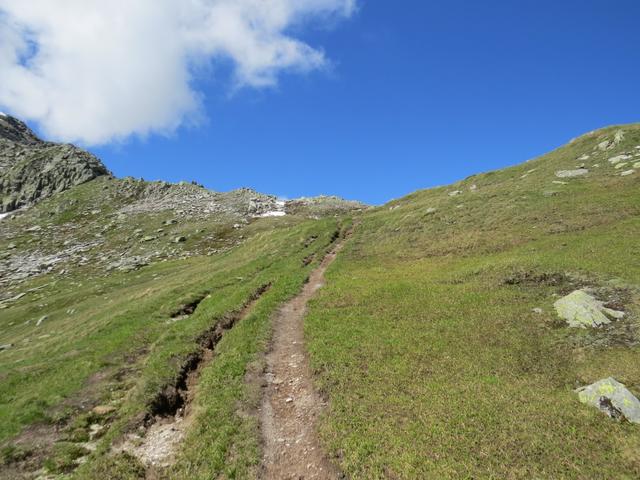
(290, 405)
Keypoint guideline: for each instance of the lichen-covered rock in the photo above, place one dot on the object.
(619, 158)
(581, 310)
(612, 398)
(31, 169)
(579, 172)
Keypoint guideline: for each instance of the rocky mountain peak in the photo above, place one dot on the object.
(16, 131)
(32, 169)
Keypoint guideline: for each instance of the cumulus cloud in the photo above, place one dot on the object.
(96, 71)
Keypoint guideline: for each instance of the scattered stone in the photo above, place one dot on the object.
(584, 157)
(289, 400)
(41, 320)
(6, 347)
(148, 238)
(559, 182)
(94, 430)
(537, 311)
(618, 159)
(627, 173)
(636, 165)
(128, 264)
(612, 398)
(455, 193)
(581, 310)
(571, 173)
(180, 239)
(431, 210)
(103, 410)
(621, 165)
(11, 246)
(473, 187)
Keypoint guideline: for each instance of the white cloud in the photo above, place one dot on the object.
(96, 71)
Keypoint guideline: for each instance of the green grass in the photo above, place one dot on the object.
(223, 440)
(110, 340)
(424, 338)
(435, 365)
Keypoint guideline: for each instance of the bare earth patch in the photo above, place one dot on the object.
(291, 406)
(157, 448)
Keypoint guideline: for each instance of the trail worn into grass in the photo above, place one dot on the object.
(291, 406)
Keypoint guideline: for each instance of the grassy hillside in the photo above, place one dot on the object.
(435, 341)
(92, 342)
(427, 345)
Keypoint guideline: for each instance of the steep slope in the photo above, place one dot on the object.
(31, 169)
(436, 339)
(114, 292)
(133, 345)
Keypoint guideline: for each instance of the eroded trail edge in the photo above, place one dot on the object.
(171, 412)
(291, 406)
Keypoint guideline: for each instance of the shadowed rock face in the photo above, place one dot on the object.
(31, 169)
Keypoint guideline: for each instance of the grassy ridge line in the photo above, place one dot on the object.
(434, 363)
(222, 440)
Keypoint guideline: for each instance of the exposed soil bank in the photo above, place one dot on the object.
(171, 413)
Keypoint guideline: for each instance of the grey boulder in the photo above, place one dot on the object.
(581, 310)
(612, 398)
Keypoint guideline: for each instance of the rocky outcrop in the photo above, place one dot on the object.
(581, 310)
(322, 206)
(31, 169)
(579, 172)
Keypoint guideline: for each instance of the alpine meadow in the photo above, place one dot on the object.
(486, 328)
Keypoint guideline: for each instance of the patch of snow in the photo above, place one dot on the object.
(273, 214)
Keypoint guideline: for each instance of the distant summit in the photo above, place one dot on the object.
(14, 130)
(32, 169)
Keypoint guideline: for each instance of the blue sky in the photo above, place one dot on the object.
(417, 94)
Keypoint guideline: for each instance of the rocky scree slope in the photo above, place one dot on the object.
(100, 223)
(31, 169)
